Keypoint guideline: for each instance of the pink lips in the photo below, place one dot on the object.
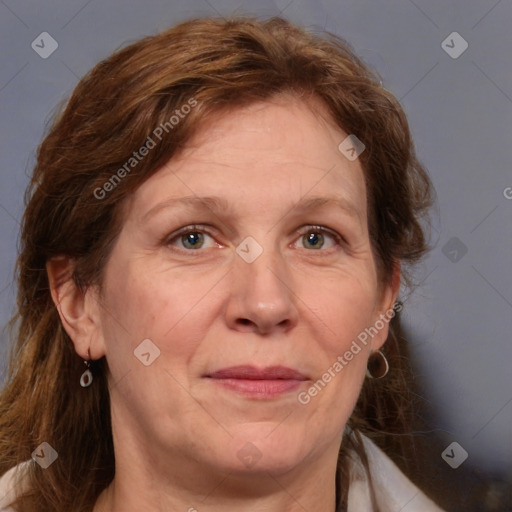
(253, 382)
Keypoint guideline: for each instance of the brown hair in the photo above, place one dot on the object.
(219, 65)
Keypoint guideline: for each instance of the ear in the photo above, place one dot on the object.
(385, 310)
(78, 310)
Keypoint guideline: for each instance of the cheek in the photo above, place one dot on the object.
(341, 308)
(171, 309)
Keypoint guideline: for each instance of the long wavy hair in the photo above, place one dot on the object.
(219, 65)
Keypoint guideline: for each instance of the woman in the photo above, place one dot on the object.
(217, 226)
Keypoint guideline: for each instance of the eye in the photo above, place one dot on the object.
(191, 238)
(319, 237)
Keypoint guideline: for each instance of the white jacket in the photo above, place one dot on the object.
(393, 489)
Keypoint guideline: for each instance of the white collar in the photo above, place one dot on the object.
(393, 490)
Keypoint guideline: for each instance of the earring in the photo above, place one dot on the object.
(86, 378)
(377, 366)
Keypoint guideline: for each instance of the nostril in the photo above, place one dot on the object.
(244, 321)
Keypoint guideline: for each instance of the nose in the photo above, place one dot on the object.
(261, 297)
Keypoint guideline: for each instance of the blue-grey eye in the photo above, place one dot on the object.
(192, 240)
(313, 240)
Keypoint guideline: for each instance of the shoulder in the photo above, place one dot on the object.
(394, 491)
(12, 483)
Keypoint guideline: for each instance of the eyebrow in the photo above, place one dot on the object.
(316, 203)
(220, 205)
(194, 202)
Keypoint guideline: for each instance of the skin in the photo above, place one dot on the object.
(299, 304)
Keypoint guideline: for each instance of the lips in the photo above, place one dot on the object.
(253, 382)
(253, 373)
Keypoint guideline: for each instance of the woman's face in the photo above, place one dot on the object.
(248, 251)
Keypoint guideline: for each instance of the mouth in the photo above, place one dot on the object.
(253, 382)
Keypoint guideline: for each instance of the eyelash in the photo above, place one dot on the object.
(338, 239)
(195, 228)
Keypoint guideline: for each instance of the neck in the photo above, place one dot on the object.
(310, 488)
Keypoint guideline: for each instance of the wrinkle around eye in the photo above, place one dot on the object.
(337, 240)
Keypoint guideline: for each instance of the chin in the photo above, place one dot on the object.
(263, 448)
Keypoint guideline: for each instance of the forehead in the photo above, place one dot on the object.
(277, 150)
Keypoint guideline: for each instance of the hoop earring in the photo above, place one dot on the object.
(86, 378)
(377, 366)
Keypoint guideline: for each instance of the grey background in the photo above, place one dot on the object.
(460, 111)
